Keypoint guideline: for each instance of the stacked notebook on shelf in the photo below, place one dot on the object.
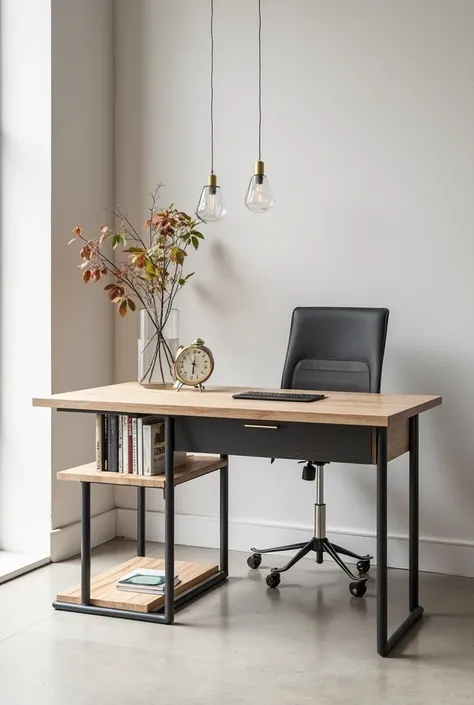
(131, 444)
(147, 580)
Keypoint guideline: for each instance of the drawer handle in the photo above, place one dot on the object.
(255, 425)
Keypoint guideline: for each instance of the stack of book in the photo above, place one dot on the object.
(131, 444)
(147, 580)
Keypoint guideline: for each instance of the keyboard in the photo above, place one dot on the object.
(279, 396)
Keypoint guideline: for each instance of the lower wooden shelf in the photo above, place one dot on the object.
(195, 466)
(105, 594)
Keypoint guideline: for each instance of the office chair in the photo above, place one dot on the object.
(330, 349)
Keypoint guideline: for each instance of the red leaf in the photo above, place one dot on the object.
(86, 252)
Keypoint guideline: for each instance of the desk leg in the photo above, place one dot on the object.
(224, 517)
(382, 606)
(141, 515)
(86, 543)
(169, 520)
(385, 644)
(414, 511)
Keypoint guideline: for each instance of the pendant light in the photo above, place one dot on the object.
(211, 206)
(259, 196)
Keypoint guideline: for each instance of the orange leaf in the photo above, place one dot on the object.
(77, 231)
(86, 276)
(122, 309)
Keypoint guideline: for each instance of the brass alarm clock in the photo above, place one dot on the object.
(193, 365)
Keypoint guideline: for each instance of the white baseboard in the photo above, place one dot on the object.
(66, 541)
(436, 555)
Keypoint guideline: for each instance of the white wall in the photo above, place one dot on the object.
(25, 316)
(82, 317)
(368, 142)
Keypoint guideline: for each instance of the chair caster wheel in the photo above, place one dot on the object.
(254, 560)
(363, 566)
(358, 589)
(273, 580)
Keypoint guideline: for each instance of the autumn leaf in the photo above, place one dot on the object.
(131, 304)
(86, 276)
(150, 269)
(177, 255)
(77, 231)
(116, 293)
(122, 309)
(86, 252)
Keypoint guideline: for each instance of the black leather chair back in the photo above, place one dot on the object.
(336, 349)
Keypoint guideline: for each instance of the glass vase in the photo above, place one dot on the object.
(158, 341)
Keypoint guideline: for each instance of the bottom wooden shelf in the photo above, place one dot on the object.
(105, 594)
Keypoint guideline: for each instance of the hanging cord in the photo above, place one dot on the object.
(212, 86)
(259, 80)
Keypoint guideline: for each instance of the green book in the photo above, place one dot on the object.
(145, 580)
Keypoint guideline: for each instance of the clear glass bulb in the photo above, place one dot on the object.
(259, 196)
(211, 206)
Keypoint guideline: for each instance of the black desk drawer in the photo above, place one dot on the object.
(274, 439)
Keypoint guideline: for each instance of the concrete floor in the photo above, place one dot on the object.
(307, 642)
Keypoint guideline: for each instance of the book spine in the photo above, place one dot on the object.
(105, 442)
(113, 443)
(130, 444)
(140, 446)
(147, 449)
(120, 443)
(125, 443)
(98, 441)
(158, 449)
(134, 446)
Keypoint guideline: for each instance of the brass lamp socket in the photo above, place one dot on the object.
(212, 180)
(259, 168)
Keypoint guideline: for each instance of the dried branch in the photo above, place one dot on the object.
(153, 274)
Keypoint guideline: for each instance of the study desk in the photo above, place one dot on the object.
(344, 427)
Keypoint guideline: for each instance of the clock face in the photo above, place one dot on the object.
(194, 365)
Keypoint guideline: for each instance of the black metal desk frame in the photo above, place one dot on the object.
(385, 643)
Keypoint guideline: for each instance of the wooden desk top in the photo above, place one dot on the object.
(340, 408)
